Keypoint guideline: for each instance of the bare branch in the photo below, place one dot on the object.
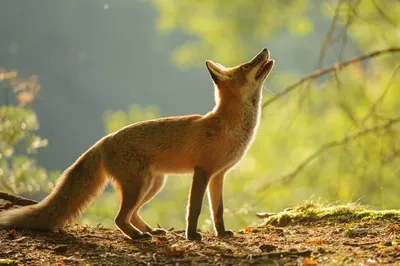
(350, 19)
(324, 71)
(17, 200)
(332, 144)
(391, 157)
(372, 110)
(384, 15)
(328, 37)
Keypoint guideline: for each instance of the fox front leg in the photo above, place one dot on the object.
(215, 191)
(197, 190)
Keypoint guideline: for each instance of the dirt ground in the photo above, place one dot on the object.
(357, 243)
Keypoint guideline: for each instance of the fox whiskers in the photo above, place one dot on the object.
(268, 90)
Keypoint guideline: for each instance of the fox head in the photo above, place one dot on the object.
(242, 81)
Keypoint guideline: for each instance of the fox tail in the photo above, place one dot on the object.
(76, 188)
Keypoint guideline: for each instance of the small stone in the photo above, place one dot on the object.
(372, 261)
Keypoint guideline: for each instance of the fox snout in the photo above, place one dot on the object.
(262, 63)
(261, 56)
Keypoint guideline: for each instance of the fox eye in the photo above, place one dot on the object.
(243, 68)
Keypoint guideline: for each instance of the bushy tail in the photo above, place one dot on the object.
(76, 188)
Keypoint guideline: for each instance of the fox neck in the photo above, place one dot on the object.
(233, 108)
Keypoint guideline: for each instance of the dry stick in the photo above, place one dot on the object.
(16, 200)
(346, 27)
(391, 157)
(372, 110)
(305, 253)
(332, 144)
(335, 67)
(360, 244)
(384, 15)
(328, 37)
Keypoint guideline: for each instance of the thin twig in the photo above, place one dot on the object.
(372, 110)
(328, 37)
(335, 67)
(305, 253)
(349, 22)
(360, 244)
(332, 144)
(384, 15)
(391, 157)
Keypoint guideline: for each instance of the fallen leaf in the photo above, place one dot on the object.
(159, 242)
(309, 261)
(173, 252)
(248, 229)
(316, 240)
(391, 228)
(12, 233)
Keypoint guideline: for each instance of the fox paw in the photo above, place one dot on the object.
(193, 236)
(226, 233)
(158, 231)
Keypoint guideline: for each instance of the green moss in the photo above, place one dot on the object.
(8, 262)
(314, 212)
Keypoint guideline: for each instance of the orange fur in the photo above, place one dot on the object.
(138, 157)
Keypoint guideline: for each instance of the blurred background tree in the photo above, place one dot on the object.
(229, 30)
(331, 137)
(19, 172)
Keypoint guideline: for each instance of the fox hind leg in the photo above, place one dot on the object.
(132, 191)
(157, 184)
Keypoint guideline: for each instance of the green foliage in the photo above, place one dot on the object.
(377, 25)
(18, 141)
(229, 30)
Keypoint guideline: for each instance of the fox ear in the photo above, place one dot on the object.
(217, 71)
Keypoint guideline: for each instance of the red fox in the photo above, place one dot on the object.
(137, 158)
